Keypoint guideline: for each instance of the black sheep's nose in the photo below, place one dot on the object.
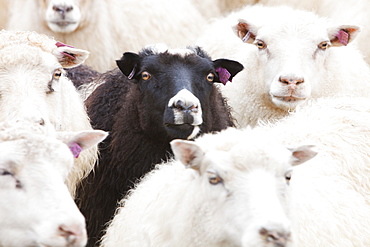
(183, 106)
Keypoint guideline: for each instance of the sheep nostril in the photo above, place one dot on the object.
(290, 81)
(182, 106)
(62, 9)
(41, 122)
(72, 234)
(279, 239)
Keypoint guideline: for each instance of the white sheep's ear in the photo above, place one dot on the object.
(302, 154)
(68, 56)
(343, 35)
(81, 140)
(244, 31)
(188, 153)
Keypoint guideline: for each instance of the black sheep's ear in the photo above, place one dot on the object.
(129, 64)
(226, 69)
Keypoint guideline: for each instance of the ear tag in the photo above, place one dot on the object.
(131, 75)
(223, 75)
(75, 149)
(343, 37)
(246, 37)
(60, 44)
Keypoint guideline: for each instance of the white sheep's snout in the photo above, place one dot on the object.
(74, 234)
(291, 81)
(289, 90)
(63, 16)
(70, 233)
(62, 9)
(278, 238)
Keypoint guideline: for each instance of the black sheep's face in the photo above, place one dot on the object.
(175, 88)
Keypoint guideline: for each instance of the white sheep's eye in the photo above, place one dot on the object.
(260, 44)
(57, 74)
(5, 173)
(288, 176)
(210, 77)
(145, 76)
(213, 178)
(324, 45)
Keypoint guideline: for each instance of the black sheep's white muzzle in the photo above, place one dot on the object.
(184, 113)
(186, 108)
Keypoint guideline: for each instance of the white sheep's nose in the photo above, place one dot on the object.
(62, 9)
(75, 235)
(279, 238)
(291, 80)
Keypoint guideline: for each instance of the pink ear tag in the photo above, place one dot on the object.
(223, 75)
(75, 149)
(343, 37)
(60, 44)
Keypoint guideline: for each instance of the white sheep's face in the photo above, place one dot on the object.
(293, 54)
(33, 85)
(62, 16)
(36, 208)
(242, 189)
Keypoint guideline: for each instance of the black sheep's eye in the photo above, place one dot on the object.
(145, 76)
(323, 45)
(210, 77)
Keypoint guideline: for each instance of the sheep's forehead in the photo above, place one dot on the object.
(36, 151)
(162, 48)
(307, 32)
(27, 57)
(8, 38)
(278, 23)
(245, 151)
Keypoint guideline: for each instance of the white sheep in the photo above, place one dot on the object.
(4, 10)
(33, 86)
(225, 189)
(36, 208)
(349, 11)
(106, 28)
(330, 194)
(216, 8)
(285, 62)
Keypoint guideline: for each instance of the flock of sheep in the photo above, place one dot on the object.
(184, 123)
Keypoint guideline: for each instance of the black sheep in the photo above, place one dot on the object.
(150, 99)
(81, 75)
